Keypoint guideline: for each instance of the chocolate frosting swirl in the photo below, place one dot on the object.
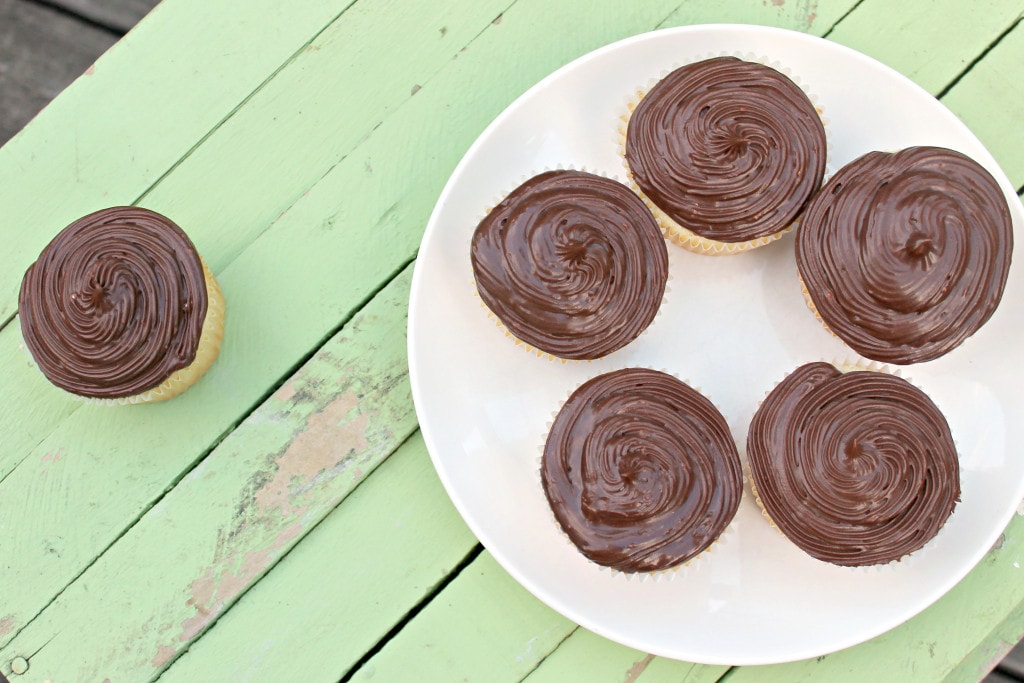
(572, 263)
(905, 255)
(730, 150)
(114, 304)
(856, 468)
(641, 470)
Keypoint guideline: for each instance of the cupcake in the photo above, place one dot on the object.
(856, 468)
(641, 471)
(120, 308)
(726, 152)
(571, 263)
(905, 255)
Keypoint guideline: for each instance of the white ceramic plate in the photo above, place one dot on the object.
(732, 326)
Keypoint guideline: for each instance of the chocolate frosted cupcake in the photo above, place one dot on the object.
(571, 263)
(120, 308)
(726, 152)
(905, 255)
(641, 471)
(856, 468)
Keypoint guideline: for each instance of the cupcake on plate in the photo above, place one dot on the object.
(856, 468)
(571, 263)
(120, 308)
(641, 471)
(905, 255)
(726, 152)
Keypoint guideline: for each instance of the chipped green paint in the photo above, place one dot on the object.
(271, 326)
(305, 165)
(359, 561)
(214, 535)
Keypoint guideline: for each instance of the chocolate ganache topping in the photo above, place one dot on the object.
(855, 468)
(730, 150)
(114, 304)
(905, 255)
(572, 263)
(641, 470)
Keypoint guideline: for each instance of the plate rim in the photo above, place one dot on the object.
(419, 400)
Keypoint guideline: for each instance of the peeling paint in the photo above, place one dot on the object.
(529, 650)
(91, 70)
(222, 582)
(53, 456)
(6, 625)
(286, 392)
(164, 654)
(416, 88)
(331, 434)
(638, 668)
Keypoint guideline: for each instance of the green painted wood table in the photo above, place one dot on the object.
(282, 519)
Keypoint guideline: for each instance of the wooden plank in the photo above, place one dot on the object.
(311, 116)
(358, 563)
(483, 627)
(77, 159)
(1002, 647)
(990, 100)
(117, 15)
(41, 52)
(55, 541)
(908, 36)
(584, 656)
(810, 16)
(397, 208)
(224, 217)
(299, 216)
(225, 524)
(933, 645)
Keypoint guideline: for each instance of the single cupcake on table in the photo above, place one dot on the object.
(905, 255)
(856, 468)
(571, 263)
(726, 152)
(641, 471)
(120, 308)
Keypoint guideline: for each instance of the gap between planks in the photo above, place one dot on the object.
(974, 62)
(209, 449)
(413, 612)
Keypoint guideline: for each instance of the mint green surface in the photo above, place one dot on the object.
(281, 520)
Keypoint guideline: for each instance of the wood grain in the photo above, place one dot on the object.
(358, 575)
(232, 517)
(41, 52)
(269, 329)
(185, 58)
(990, 100)
(934, 53)
(308, 185)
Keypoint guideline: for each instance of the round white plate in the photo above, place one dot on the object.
(732, 326)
